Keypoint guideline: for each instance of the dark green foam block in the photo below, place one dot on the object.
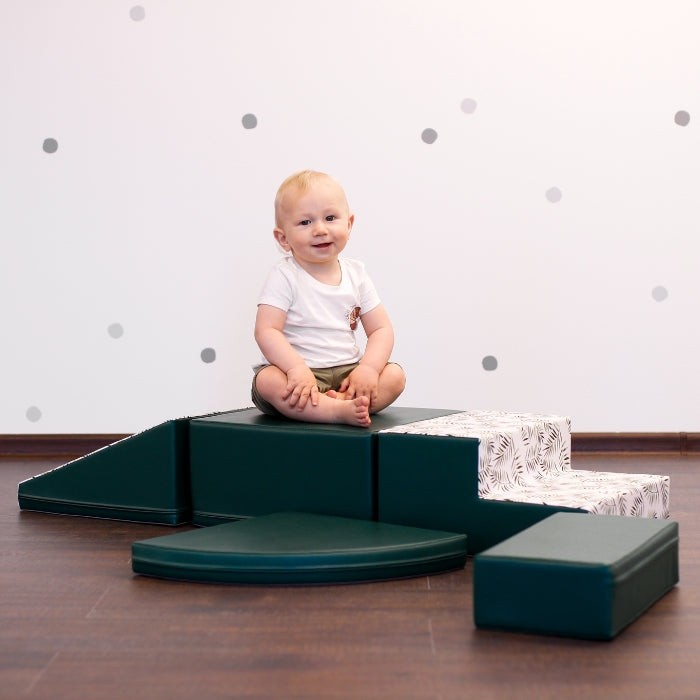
(576, 575)
(143, 478)
(244, 464)
(433, 481)
(299, 548)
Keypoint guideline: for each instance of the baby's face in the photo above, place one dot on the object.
(315, 225)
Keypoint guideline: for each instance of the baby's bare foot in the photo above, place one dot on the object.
(354, 412)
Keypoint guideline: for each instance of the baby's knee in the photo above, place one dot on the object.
(394, 376)
(268, 380)
(263, 390)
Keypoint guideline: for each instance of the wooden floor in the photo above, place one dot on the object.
(76, 623)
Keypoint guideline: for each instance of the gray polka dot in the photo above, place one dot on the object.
(50, 145)
(115, 330)
(249, 121)
(468, 105)
(659, 293)
(33, 414)
(429, 135)
(489, 363)
(137, 13)
(208, 355)
(553, 194)
(682, 118)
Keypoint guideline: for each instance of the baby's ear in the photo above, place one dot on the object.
(351, 221)
(278, 233)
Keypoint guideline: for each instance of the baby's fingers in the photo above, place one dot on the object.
(302, 394)
(313, 395)
(291, 395)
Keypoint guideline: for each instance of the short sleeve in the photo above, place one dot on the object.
(278, 289)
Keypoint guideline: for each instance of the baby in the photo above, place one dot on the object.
(308, 312)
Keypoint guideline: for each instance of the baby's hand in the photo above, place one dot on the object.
(362, 381)
(301, 387)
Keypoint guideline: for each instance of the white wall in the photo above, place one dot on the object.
(153, 215)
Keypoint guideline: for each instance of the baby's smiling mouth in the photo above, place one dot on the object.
(322, 245)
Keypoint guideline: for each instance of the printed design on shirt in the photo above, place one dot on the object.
(352, 316)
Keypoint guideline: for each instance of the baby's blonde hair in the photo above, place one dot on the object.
(300, 181)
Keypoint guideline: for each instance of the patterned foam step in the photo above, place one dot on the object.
(526, 457)
(511, 445)
(603, 493)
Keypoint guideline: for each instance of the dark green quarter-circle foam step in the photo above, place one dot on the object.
(299, 548)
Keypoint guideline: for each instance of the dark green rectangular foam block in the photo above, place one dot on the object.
(244, 464)
(143, 478)
(299, 548)
(576, 575)
(433, 481)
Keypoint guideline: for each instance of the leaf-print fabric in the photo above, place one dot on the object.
(526, 457)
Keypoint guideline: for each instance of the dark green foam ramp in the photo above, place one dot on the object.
(299, 548)
(143, 478)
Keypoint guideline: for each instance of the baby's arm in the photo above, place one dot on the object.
(364, 379)
(301, 383)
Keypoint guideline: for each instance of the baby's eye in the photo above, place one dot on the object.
(305, 222)
(331, 217)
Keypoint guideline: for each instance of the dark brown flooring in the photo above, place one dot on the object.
(76, 623)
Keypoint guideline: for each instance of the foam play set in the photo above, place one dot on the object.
(283, 502)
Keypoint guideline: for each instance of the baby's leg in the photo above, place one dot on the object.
(271, 384)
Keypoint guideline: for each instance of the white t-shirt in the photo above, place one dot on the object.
(321, 318)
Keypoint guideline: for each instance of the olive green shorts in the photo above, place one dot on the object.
(327, 378)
